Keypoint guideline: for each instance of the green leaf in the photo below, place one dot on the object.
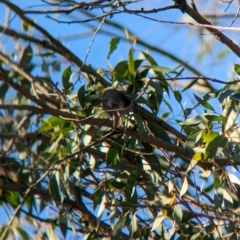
(24, 235)
(112, 156)
(63, 224)
(44, 66)
(81, 96)
(101, 209)
(204, 103)
(54, 188)
(3, 90)
(234, 179)
(66, 79)
(121, 70)
(26, 57)
(158, 132)
(184, 187)
(216, 182)
(113, 213)
(119, 226)
(231, 113)
(198, 156)
(97, 194)
(227, 197)
(149, 190)
(133, 225)
(177, 95)
(215, 146)
(214, 118)
(192, 164)
(190, 85)
(177, 213)
(158, 220)
(237, 68)
(194, 121)
(56, 66)
(209, 136)
(158, 69)
(113, 45)
(131, 66)
(137, 63)
(150, 59)
(130, 188)
(153, 104)
(51, 123)
(115, 184)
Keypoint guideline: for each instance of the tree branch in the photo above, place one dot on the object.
(216, 33)
(87, 215)
(61, 48)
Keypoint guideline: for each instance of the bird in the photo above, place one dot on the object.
(115, 103)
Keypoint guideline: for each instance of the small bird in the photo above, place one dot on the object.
(115, 103)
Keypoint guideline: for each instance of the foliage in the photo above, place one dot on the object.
(64, 170)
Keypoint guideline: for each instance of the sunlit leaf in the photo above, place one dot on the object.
(233, 178)
(192, 164)
(208, 137)
(215, 146)
(158, 220)
(131, 65)
(133, 224)
(184, 187)
(101, 208)
(237, 68)
(158, 69)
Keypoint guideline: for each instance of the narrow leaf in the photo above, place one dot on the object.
(133, 225)
(101, 209)
(131, 66)
(66, 78)
(120, 225)
(81, 96)
(158, 220)
(191, 165)
(204, 103)
(62, 224)
(159, 69)
(26, 57)
(184, 187)
(177, 213)
(233, 178)
(113, 46)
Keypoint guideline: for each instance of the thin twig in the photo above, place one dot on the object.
(93, 37)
